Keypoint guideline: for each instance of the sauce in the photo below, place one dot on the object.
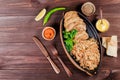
(48, 33)
(102, 25)
(88, 8)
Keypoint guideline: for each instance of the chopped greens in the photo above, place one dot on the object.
(68, 39)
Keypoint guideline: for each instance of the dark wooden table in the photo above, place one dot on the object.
(20, 58)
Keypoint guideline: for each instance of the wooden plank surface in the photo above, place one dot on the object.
(20, 58)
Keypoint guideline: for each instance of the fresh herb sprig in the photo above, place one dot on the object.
(68, 39)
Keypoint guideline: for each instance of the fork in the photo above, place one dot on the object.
(55, 53)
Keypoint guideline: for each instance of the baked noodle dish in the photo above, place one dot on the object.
(78, 43)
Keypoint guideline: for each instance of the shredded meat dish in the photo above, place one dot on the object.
(85, 49)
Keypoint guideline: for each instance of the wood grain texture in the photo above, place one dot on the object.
(20, 58)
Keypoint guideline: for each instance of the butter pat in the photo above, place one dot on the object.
(105, 41)
(112, 47)
(110, 43)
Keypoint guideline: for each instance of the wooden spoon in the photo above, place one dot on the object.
(101, 15)
(55, 53)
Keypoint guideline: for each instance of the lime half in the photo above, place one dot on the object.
(40, 15)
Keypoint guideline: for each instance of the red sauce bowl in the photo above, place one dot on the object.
(48, 33)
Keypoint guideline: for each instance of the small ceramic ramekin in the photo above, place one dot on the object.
(46, 31)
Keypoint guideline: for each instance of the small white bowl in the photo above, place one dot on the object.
(44, 35)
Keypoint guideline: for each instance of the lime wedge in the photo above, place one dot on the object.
(40, 15)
